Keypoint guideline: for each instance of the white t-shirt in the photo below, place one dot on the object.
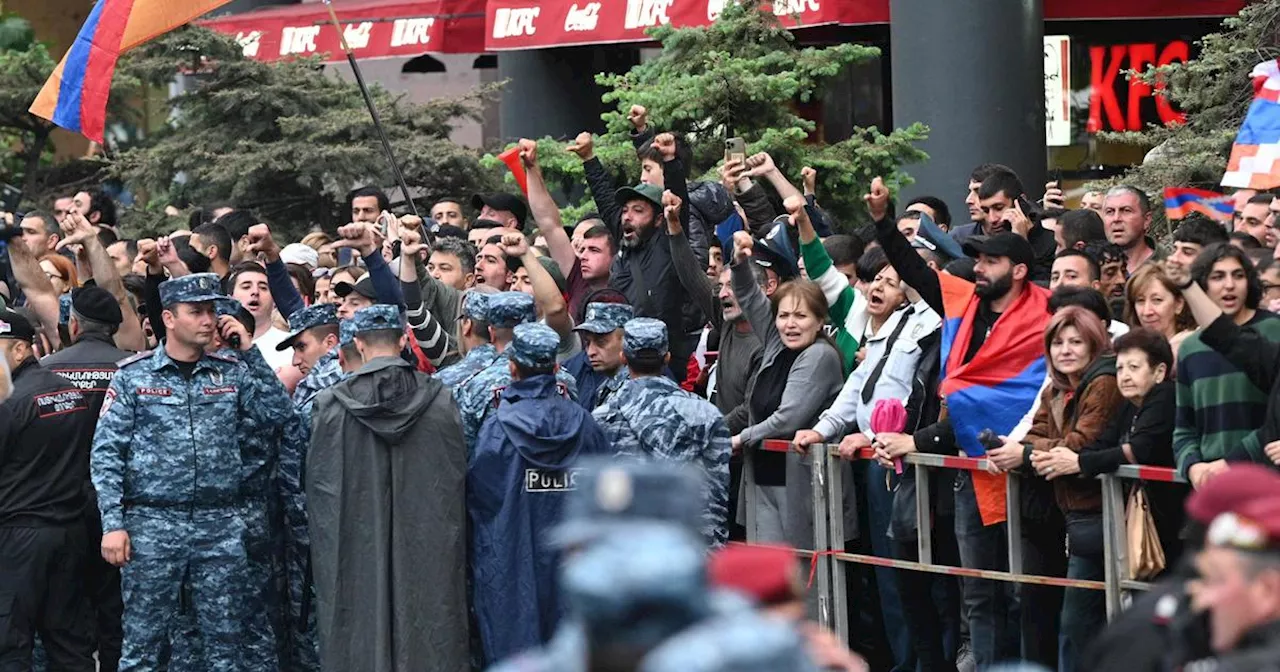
(266, 343)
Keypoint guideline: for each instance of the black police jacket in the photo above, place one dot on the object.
(90, 365)
(46, 429)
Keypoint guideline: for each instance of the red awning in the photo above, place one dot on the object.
(534, 24)
(374, 29)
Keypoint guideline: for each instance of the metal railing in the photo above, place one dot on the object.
(829, 559)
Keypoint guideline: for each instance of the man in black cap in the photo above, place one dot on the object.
(508, 209)
(45, 431)
(90, 364)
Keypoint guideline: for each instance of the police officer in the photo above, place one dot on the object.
(518, 478)
(651, 417)
(476, 396)
(602, 329)
(45, 430)
(90, 364)
(474, 330)
(175, 465)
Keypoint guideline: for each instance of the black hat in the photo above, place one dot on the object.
(501, 201)
(97, 304)
(1004, 244)
(14, 325)
(364, 287)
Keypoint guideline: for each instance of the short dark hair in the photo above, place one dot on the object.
(1211, 255)
(683, 152)
(602, 295)
(942, 214)
(130, 246)
(1094, 267)
(531, 371)
(237, 223)
(1246, 241)
(216, 235)
(1005, 183)
(1081, 226)
(195, 261)
(982, 171)
(460, 248)
(102, 204)
(384, 203)
(46, 220)
(306, 282)
(1144, 201)
(1198, 229)
(871, 263)
(602, 231)
(324, 330)
(1085, 297)
(1107, 253)
(646, 363)
(1150, 342)
(242, 268)
(381, 338)
(107, 237)
(1261, 198)
(844, 249)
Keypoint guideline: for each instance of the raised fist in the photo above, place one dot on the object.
(742, 245)
(528, 153)
(877, 199)
(665, 143)
(584, 146)
(639, 117)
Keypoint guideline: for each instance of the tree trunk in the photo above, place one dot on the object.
(32, 155)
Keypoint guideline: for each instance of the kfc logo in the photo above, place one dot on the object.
(715, 8)
(249, 42)
(788, 7)
(358, 34)
(300, 40)
(514, 22)
(647, 13)
(584, 19)
(411, 31)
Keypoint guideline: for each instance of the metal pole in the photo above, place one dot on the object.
(924, 528)
(1014, 524)
(373, 111)
(818, 484)
(1115, 545)
(835, 540)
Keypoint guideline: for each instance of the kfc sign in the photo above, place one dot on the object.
(515, 21)
(299, 40)
(647, 13)
(584, 19)
(1116, 103)
(412, 31)
(789, 7)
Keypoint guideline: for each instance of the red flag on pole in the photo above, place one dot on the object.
(511, 157)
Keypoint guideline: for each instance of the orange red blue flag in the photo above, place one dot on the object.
(1255, 156)
(75, 96)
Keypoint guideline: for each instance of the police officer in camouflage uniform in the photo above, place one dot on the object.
(477, 396)
(603, 331)
(473, 326)
(179, 475)
(314, 336)
(651, 417)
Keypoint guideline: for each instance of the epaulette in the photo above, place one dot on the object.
(224, 357)
(133, 359)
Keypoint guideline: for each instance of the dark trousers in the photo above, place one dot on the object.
(931, 602)
(41, 592)
(1044, 553)
(1084, 611)
(102, 586)
(991, 606)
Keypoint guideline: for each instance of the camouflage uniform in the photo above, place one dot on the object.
(740, 642)
(301, 651)
(651, 417)
(601, 319)
(477, 396)
(475, 305)
(187, 489)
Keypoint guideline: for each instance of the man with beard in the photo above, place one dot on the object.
(992, 349)
(643, 271)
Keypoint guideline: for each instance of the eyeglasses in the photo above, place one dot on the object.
(1235, 531)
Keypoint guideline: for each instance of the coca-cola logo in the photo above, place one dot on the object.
(515, 21)
(585, 18)
(647, 13)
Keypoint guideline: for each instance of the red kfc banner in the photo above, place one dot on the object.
(373, 28)
(534, 24)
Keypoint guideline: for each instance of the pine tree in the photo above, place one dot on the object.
(1213, 90)
(742, 76)
(285, 139)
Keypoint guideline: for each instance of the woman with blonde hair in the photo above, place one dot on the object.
(1151, 300)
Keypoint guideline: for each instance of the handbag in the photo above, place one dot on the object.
(1146, 555)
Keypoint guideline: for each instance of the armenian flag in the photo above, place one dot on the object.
(1182, 201)
(1255, 156)
(995, 388)
(75, 97)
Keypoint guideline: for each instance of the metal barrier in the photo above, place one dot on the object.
(828, 556)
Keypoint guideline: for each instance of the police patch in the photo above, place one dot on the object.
(154, 392)
(107, 400)
(225, 389)
(60, 403)
(551, 480)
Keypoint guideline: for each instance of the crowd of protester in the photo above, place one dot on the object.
(379, 448)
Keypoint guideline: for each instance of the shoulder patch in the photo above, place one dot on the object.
(221, 356)
(133, 359)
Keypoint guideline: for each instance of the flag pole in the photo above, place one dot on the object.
(373, 111)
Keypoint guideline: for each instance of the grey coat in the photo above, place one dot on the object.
(813, 383)
(386, 502)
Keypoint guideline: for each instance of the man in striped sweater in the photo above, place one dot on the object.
(1219, 410)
